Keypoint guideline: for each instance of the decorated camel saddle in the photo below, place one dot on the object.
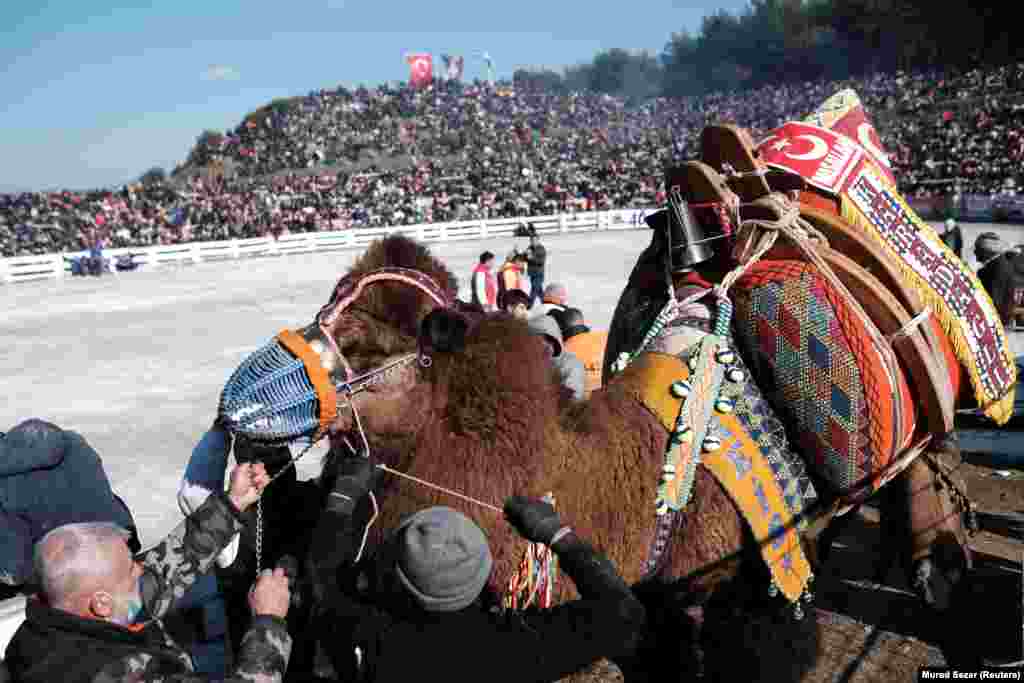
(846, 313)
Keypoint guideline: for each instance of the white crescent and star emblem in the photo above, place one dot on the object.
(864, 136)
(819, 148)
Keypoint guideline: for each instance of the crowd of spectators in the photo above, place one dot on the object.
(339, 159)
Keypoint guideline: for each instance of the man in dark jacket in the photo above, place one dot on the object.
(98, 619)
(536, 259)
(420, 609)
(953, 237)
(996, 272)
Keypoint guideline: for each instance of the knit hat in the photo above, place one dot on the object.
(556, 293)
(546, 326)
(443, 559)
(32, 445)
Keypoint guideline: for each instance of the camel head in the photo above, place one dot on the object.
(384, 356)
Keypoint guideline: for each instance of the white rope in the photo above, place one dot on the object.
(911, 325)
(450, 492)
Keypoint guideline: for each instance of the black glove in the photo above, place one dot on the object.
(535, 520)
(356, 477)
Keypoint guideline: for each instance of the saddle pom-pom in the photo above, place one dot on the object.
(443, 331)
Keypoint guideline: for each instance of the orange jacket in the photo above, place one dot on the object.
(589, 348)
(510, 276)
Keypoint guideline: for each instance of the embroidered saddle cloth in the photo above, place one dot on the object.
(835, 158)
(744, 446)
(852, 374)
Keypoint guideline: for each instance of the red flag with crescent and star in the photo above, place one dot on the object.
(844, 113)
(421, 69)
(824, 158)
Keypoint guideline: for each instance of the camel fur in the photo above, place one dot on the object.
(492, 420)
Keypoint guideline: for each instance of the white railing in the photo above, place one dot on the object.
(56, 266)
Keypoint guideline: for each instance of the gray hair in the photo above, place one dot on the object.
(66, 557)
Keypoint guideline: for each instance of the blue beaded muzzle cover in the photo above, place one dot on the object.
(290, 388)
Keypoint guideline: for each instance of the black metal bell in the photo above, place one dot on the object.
(687, 241)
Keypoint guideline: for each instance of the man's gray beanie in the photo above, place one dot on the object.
(443, 559)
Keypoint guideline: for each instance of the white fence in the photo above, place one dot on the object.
(56, 266)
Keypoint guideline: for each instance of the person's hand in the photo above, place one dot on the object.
(535, 520)
(270, 595)
(247, 483)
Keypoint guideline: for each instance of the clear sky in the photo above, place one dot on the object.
(93, 92)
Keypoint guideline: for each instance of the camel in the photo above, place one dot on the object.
(487, 417)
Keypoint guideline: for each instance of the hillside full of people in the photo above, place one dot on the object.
(392, 155)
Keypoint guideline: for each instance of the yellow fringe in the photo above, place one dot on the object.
(999, 409)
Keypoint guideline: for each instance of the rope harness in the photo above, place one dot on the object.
(807, 239)
(298, 384)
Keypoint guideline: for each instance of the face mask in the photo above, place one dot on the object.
(129, 609)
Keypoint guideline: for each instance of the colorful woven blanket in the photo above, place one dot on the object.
(837, 151)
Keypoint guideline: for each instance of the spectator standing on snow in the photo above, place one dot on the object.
(511, 276)
(536, 260)
(483, 283)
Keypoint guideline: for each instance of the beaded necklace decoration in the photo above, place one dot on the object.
(710, 395)
(690, 437)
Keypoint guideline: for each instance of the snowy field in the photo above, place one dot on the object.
(136, 363)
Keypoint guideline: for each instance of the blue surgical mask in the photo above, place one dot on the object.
(131, 610)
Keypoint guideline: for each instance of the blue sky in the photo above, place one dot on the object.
(94, 93)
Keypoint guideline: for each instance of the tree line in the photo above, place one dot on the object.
(778, 41)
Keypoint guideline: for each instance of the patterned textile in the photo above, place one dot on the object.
(945, 284)
(750, 456)
(757, 418)
(749, 478)
(818, 365)
(869, 200)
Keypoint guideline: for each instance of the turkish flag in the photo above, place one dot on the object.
(844, 113)
(421, 69)
(855, 125)
(823, 157)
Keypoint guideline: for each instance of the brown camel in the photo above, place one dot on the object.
(492, 420)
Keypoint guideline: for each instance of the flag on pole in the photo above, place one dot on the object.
(453, 67)
(490, 67)
(421, 69)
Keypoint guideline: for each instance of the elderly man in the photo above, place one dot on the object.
(99, 615)
(556, 298)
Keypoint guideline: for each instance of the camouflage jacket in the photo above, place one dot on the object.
(86, 650)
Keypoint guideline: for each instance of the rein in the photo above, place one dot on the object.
(536, 575)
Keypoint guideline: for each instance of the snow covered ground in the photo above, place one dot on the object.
(136, 363)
